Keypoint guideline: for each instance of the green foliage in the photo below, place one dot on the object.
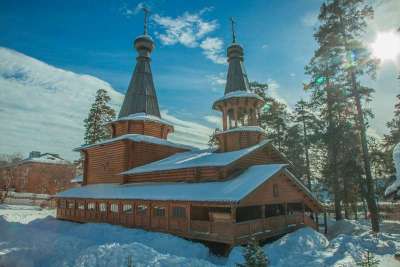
(100, 113)
(212, 141)
(254, 255)
(368, 260)
(391, 139)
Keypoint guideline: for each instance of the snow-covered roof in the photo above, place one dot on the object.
(232, 190)
(139, 138)
(244, 129)
(142, 117)
(239, 94)
(77, 179)
(195, 158)
(46, 158)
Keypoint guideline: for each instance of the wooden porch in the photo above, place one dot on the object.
(224, 224)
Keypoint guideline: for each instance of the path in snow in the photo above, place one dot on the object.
(33, 240)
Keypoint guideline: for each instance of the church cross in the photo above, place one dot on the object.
(146, 12)
(233, 30)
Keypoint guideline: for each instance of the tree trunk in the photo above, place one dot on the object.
(308, 172)
(332, 157)
(370, 196)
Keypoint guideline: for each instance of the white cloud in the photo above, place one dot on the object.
(213, 49)
(187, 132)
(43, 107)
(128, 12)
(273, 91)
(186, 29)
(310, 19)
(191, 30)
(264, 46)
(218, 80)
(214, 119)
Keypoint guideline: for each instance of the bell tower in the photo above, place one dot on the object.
(239, 107)
(140, 113)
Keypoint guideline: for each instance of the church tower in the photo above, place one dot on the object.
(239, 107)
(140, 113)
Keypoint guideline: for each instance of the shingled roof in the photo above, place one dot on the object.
(141, 95)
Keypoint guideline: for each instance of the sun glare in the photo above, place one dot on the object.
(386, 46)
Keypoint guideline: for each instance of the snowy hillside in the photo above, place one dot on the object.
(42, 107)
(61, 243)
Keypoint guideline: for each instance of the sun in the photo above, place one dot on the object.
(386, 46)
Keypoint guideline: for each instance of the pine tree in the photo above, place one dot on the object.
(349, 19)
(368, 260)
(310, 125)
(391, 139)
(100, 113)
(338, 63)
(212, 140)
(254, 255)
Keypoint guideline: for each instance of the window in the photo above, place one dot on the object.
(91, 206)
(159, 211)
(81, 206)
(275, 190)
(71, 204)
(114, 207)
(103, 207)
(179, 212)
(274, 210)
(141, 209)
(61, 204)
(127, 208)
(231, 118)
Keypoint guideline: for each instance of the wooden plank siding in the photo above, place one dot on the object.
(287, 192)
(104, 163)
(150, 128)
(228, 232)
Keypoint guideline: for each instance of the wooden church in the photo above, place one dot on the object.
(244, 187)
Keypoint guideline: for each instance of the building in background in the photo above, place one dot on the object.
(40, 173)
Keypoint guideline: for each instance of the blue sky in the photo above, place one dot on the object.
(95, 37)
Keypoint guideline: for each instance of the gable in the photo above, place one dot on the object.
(288, 192)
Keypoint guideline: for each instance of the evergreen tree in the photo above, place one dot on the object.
(349, 19)
(391, 139)
(100, 113)
(368, 260)
(254, 255)
(212, 140)
(310, 125)
(338, 63)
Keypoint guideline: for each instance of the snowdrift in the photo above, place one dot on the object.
(50, 242)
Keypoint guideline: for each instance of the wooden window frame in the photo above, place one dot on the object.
(91, 206)
(127, 208)
(81, 205)
(69, 206)
(103, 207)
(159, 211)
(179, 212)
(112, 207)
(142, 209)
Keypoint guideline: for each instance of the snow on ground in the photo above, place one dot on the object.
(24, 214)
(29, 238)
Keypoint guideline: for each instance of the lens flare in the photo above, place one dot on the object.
(386, 46)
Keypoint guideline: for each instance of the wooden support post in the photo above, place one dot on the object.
(304, 211)
(233, 213)
(316, 220)
(188, 218)
(325, 222)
